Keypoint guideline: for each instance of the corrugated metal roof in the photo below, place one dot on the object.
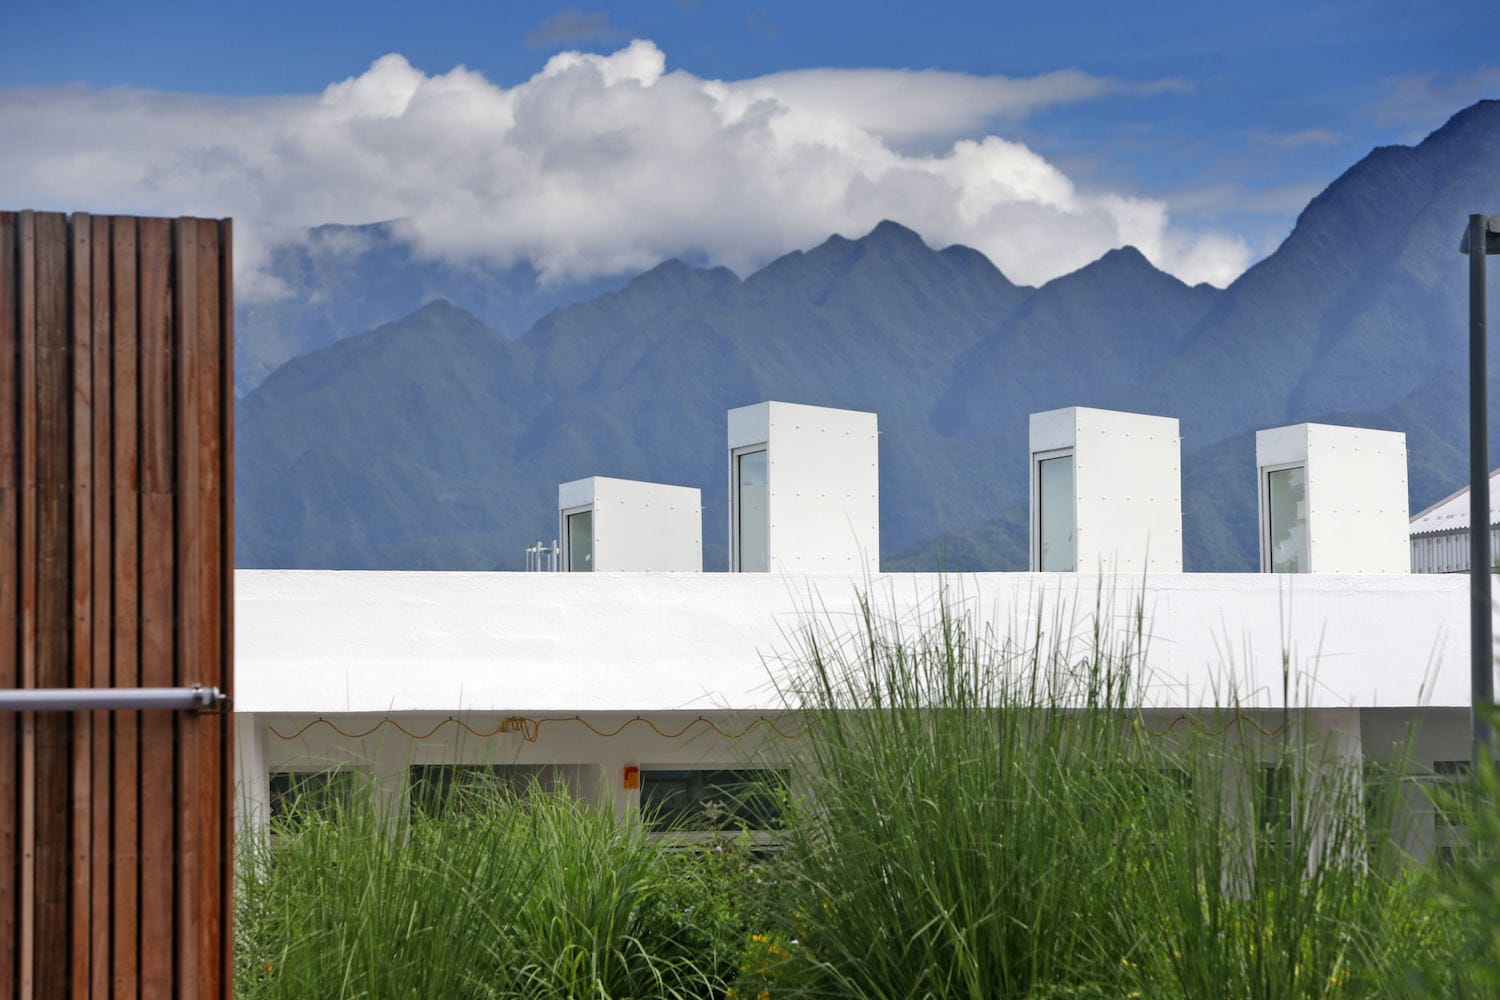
(1452, 513)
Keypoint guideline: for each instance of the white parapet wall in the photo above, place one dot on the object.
(621, 525)
(1119, 477)
(804, 489)
(321, 642)
(1332, 500)
(587, 676)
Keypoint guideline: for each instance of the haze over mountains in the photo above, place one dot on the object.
(436, 441)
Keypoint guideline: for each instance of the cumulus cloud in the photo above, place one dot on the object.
(598, 164)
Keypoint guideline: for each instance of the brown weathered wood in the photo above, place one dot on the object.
(81, 584)
(158, 731)
(204, 652)
(116, 562)
(189, 555)
(125, 586)
(10, 607)
(225, 480)
(101, 724)
(54, 607)
(26, 321)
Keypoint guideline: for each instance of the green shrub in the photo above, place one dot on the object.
(529, 896)
(991, 821)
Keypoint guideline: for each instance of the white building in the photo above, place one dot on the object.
(1440, 534)
(628, 685)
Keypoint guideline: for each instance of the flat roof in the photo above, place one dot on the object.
(321, 642)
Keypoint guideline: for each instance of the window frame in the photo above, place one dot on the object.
(779, 783)
(1266, 557)
(1037, 458)
(564, 529)
(343, 774)
(735, 455)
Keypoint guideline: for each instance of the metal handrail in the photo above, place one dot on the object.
(194, 698)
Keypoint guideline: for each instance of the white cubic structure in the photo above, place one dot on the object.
(609, 525)
(1332, 500)
(804, 489)
(1106, 492)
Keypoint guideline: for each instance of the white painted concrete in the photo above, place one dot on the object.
(1357, 515)
(638, 527)
(318, 642)
(823, 481)
(1127, 480)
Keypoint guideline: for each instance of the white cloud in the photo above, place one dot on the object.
(1423, 101)
(598, 164)
(1299, 139)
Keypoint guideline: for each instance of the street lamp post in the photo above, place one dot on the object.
(1481, 239)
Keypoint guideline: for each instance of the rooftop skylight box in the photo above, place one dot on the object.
(621, 525)
(1332, 500)
(804, 489)
(1106, 492)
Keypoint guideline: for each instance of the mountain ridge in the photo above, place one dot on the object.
(453, 462)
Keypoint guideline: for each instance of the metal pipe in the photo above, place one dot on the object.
(110, 699)
(1481, 627)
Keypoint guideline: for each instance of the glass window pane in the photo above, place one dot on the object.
(581, 542)
(1055, 514)
(297, 796)
(753, 527)
(713, 799)
(1286, 505)
(444, 789)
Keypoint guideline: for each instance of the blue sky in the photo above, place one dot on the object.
(1227, 117)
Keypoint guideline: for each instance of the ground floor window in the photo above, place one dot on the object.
(297, 796)
(713, 799)
(439, 789)
(1451, 801)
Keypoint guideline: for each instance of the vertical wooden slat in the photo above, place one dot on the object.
(101, 724)
(54, 607)
(225, 480)
(80, 555)
(26, 320)
(157, 612)
(10, 607)
(188, 533)
(203, 656)
(125, 584)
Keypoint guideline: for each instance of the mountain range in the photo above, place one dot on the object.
(436, 440)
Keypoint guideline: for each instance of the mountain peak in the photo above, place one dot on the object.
(893, 233)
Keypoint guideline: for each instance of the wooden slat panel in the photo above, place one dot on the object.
(225, 474)
(101, 787)
(125, 585)
(26, 321)
(81, 584)
(10, 606)
(53, 607)
(116, 542)
(157, 799)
